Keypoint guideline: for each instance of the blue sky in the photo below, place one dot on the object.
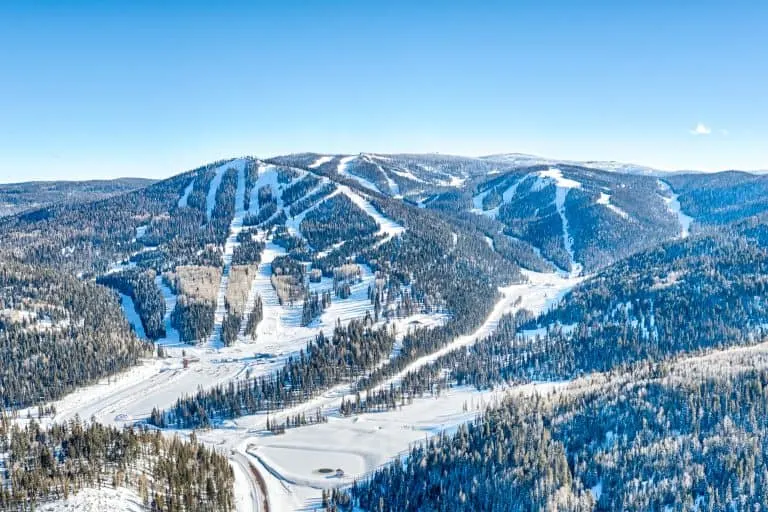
(98, 89)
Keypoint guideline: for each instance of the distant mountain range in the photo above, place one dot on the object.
(18, 197)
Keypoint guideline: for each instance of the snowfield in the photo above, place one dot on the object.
(97, 500)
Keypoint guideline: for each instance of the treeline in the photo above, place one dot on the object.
(249, 251)
(335, 220)
(58, 333)
(193, 317)
(140, 286)
(42, 465)
(348, 354)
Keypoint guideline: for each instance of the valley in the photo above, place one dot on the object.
(315, 319)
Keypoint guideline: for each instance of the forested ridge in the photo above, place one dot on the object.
(58, 333)
(652, 439)
(39, 465)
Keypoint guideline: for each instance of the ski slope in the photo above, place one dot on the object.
(673, 204)
(562, 187)
(541, 292)
(605, 200)
(342, 170)
(235, 227)
(185, 195)
(129, 309)
(320, 161)
(387, 227)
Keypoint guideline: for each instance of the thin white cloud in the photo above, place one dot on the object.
(724, 132)
(701, 129)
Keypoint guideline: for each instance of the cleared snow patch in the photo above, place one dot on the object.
(91, 499)
(320, 161)
(605, 200)
(185, 195)
(129, 309)
(342, 170)
(387, 226)
(673, 204)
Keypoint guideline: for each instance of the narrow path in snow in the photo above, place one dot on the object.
(605, 200)
(235, 227)
(293, 224)
(320, 161)
(563, 185)
(387, 226)
(249, 496)
(129, 310)
(185, 196)
(673, 204)
(541, 292)
(210, 199)
(342, 170)
(560, 195)
(506, 196)
(172, 336)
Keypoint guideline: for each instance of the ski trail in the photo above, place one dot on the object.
(172, 336)
(563, 186)
(394, 188)
(342, 170)
(235, 227)
(129, 310)
(560, 194)
(387, 226)
(320, 161)
(210, 200)
(506, 196)
(673, 204)
(185, 196)
(293, 224)
(542, 291)
(605, 200)
(270, 329)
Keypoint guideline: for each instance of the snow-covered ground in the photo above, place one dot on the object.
(97, 500)
(324, 159)
(387, 226)
(129, 309)
(342, 170)
(605, 200)
(541, 292)
(185, 195)
(210, 199)
(171, 334)
(673, 203)
(235, 227)
(562, 187)
(506, 196)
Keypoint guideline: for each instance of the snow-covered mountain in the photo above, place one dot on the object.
(322, 297)
(525, 160)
